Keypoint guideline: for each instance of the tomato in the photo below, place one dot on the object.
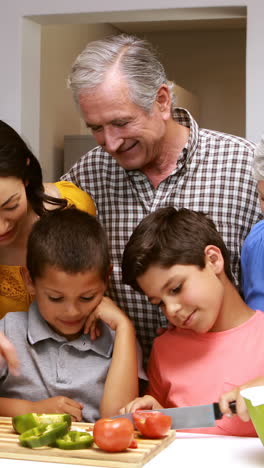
(133, 444)
(153, 425)
(113, 435)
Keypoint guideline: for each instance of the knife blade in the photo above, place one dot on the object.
(189, 417)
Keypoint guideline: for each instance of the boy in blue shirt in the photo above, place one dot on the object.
(61, 368)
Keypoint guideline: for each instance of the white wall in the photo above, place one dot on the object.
(60, 44)
(11, 39)
(211, 64)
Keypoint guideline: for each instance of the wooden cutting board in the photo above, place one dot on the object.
(131, 458)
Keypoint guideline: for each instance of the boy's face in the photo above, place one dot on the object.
(66, 300)
(189, 297)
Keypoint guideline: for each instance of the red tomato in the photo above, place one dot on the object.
(153, 425)
(133, 444)
(113, 435)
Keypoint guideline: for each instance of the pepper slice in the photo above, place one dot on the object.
(43, 434)
(27, 421)
(74, 440)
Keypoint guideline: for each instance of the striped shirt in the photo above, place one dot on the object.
(212, 175)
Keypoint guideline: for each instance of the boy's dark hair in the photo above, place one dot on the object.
(70, 240)
(168, 237)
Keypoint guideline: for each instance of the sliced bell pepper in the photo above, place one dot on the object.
(74, 440)
(27, 421)
(43, 434)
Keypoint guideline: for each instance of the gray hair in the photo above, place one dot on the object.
(258, 161)
(136, 60)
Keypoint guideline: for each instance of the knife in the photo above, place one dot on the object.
(189, 417)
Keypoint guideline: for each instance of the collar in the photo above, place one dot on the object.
(184, 117)
(40, 330)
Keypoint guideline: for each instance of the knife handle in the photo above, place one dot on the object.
(218, 413)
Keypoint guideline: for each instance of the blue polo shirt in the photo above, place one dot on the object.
(52, 366)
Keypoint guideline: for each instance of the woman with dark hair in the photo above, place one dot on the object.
(22, 201)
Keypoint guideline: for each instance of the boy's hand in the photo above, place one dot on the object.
(8, 354)
(59, 404)
(146, 402)
(108, 312)
(234, 395)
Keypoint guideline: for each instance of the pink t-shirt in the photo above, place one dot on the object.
(188, 368)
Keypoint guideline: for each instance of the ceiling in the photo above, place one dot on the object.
(180, 25)
(170, 19)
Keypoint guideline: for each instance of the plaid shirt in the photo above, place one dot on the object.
(213, 175)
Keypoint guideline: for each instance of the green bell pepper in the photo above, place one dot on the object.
(27, 421)
(43, 434)
(74, 440)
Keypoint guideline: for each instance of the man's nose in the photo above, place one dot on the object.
(112, 140)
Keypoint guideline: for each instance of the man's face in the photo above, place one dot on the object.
(66, 300)
(135, 138)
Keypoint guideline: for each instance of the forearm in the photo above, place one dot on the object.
(14, 407)
(121, 385)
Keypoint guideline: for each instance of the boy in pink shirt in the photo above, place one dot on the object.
(215, 341)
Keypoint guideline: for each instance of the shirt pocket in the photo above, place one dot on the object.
(234, 426)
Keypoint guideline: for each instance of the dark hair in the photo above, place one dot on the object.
(168, 237)
(16, 160)
(69, 240)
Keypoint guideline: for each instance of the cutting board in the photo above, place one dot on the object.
(131, 458)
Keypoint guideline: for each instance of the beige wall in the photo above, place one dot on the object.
(210, 64)
(60, 44)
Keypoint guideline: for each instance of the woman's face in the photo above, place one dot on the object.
(13, 209)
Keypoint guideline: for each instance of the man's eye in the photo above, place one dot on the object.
(96, 129)
(55, 299)
(121, 124)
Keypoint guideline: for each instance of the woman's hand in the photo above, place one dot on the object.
(147, 402)
(8, 354)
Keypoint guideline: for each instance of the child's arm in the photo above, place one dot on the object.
(234, 395)
(121, 385)
(8, 354)
(59, 404)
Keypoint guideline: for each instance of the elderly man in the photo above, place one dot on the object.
(152, 154)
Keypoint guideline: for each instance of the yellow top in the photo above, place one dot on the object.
(13, 293)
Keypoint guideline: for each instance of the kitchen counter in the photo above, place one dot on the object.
(188, 451)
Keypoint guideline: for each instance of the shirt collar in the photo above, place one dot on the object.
(39, 330)
(183, 117)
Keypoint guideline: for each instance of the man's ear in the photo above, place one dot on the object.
(27, 280)
(214, 258)
(163, 101)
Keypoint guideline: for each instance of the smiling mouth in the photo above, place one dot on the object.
(7, 234)
(188, 321)
(71, 323)
(127, 149)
